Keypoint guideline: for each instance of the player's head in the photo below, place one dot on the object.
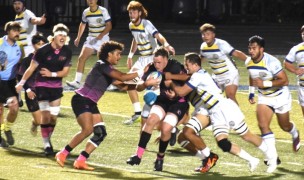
(160, 59)
(60, 35)
(19, 6)
(302, 32)
(136, 11)
(12, 29)
(208, 33)
(110, 52)
(38, 40)
(92, 2)
(256, 47)
(192, 62)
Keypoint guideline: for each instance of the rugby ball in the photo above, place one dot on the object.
(150, 97)
(154, 75)
(3, 57)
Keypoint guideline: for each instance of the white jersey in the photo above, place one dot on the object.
(96, 20)
(27, 28)
(144, 36)
(296, 55)
(266, 69)
(206, 89)
(218, 56)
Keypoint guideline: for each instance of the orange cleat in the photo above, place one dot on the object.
(82, 165)
(60, 158)
(208, 163)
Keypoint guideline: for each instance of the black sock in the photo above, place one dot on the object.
(68, 148)
(85, 154)
(144, 139)
(163, 146)
(160, 156)
(138, 113)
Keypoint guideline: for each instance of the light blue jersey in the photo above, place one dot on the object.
(14, 54)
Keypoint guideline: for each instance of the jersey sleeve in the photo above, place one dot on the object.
(225, 47)
(29, 16)
(193, 82)
(84, 19)
(149, 27)
(106, 15)
(38, 56)
(68, 62)
(291, 56)
(275, 66)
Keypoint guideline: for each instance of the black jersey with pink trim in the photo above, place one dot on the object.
(25, 63)
(54, 60)
(97, 81)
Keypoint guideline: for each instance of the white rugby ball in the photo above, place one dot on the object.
(154, 75)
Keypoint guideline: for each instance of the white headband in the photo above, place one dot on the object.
(60, 33)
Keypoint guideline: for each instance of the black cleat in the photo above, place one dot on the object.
(3, 143)
(9, 137)
(158, 165)
(134, 160)
(172, 140)
(48, 151)
(278, 161)
(20, 103)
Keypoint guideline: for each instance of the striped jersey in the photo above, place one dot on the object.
(27, 28)
(96, 20)
(144, 36)
(206, 93)
(218, 56)
(296, 54)
(266, 69)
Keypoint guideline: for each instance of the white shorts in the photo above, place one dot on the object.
(230, 79)
(28, 50)
(97, 45)
(301, 95)
(200, 110)
(142, 62)
(281, 103)
(227, 115)
(146, 111)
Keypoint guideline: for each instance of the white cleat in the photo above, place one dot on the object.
(272, 165)
(73, 84)
(253, 164)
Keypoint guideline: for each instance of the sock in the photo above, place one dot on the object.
(51, 129)
(200, 155)
(83, 156)
(294, 133)
(7, 125)
(140, 152)
(263, 147)
(137, 107)
(173, 130)
(206, 152)
(163, 146)
(66, 150)
(78, 76)
(244, 155)
(160, 157)
(45, 135)
(144, 139)
(269, 139)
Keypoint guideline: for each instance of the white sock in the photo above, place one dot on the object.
(137, 107)
(244, 155)
(200, 155)
(294, 131)
(46, 142)
(263, 147)
(206, 152)
(173, 130)
(78, 76)
(269, 139)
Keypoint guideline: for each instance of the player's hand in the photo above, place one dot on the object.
(299, 71)
(45, 72)
(170, 94)
(42, 19)
(257, 82)
(129, 63)
(18, 88)
(251, 98)
(171, 50)
(76, 42)
(168, 75)
(31, 95)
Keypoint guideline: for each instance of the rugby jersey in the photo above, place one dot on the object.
(218, 56)
(96, 20)
(266, 69)
(27, 28)
(144, 36)
(296, 55)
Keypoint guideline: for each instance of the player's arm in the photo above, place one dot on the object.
(293, 69)
(38, 20)
(47, 73)
(133, 49)
(239, 54)
(280, 80)
(81, 29)
(27, 74)
(181, 77)
(164, 42)
(251, 90)
(180, 90)
(115, 74)
(106, 30)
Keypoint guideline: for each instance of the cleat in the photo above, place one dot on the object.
(172, 140)
(60, 158)
(73, 84)
(112, 88)
(158, 165)
(33, 129)
(48, 151)
(272, 165)
(133, 119)
(253, 164)
(207, 163)
(296, 143)
(20, 103)
(134, 160)
(3, 143)
(82, 165)
(278, 161)
(9, 137)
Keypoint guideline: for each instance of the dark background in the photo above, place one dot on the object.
(278, 21)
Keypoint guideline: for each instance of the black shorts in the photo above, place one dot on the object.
(7, 89)
(82, 104)
(175, 107)
(48, 94)
(32, 104)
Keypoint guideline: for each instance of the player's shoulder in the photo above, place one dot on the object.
(102, 8)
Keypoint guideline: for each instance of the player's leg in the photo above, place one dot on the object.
(33, 107)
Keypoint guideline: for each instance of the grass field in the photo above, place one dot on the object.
(25, 160)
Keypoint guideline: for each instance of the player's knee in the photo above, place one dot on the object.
(181, 140)
(99, 134)
(225, 145)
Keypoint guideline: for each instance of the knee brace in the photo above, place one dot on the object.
(54, 110)
(99, 134)
(225, 145)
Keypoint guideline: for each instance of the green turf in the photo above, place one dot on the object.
(25, 160)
